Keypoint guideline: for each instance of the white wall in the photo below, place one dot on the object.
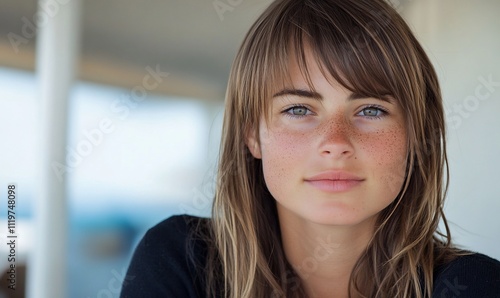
(461, 38)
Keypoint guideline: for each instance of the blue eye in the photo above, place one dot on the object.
(372, 112)
(297, 111)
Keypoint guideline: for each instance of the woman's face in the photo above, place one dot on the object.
(331, 156)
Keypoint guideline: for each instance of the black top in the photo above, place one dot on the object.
(162, 267)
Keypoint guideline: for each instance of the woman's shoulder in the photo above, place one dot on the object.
(180, 237)
(175, 233)
(168, 260)
(472, 275)
(176, 227)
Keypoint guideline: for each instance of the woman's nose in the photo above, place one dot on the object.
(336, 137)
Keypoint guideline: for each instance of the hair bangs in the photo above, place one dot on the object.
(351, 48)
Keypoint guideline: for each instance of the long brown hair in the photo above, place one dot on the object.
(368, 48)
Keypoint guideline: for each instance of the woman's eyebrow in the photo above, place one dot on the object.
(299, 92)
(318, 96)
(383, 97)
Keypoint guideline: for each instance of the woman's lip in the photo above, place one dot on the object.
(334, 176)
(334, 181)
(334, 185)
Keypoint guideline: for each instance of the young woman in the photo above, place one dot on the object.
(332, 172)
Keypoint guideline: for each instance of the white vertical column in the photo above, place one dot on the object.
(56, 56)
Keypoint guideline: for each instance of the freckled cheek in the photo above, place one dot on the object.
(280, 143)
(283, 154)
(385, 152)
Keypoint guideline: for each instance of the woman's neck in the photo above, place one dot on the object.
(323, 256)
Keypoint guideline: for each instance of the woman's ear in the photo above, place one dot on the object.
(253, 145)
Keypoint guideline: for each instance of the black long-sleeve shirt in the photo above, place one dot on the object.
(162, 267)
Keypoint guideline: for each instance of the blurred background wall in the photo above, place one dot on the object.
(144, 120)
